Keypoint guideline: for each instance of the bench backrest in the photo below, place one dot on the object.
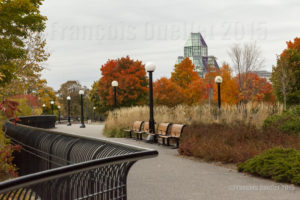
(176, 130)
(146, 127)
(162, 128)
(137, 125)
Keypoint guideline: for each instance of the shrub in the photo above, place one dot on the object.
(231, 143)
(279, 164)
(7, 168)
(287, 122)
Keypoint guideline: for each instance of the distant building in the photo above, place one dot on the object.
(263, 74)
(196, 50)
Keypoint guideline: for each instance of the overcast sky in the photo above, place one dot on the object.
(83, 35)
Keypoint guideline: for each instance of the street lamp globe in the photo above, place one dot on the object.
(218, 79)
(81, 92)
(94, 108)
(150, 67)
(58, 107)
(44, 105)
(68, 98)
(52, 102)
(114, 83)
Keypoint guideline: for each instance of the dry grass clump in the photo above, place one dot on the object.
(252, 113)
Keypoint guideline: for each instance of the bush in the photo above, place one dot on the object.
(279, 164)
(231, 143)
(7, 168)
(288, 122)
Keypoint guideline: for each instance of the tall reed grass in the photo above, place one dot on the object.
(251, 113)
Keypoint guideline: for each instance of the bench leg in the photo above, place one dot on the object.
(163, 141)
(130, 134)
(141, 136)
(177, 143)
(168, 141)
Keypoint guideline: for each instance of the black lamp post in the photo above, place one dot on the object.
(115, 84)
(150, 67)
(52, 105)
(94, 109)
(81, 92)
(58, 114)
(69, 110)
(219, 80)
(44, 109)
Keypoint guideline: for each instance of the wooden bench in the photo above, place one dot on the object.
(136, 127)
(162, 131)
(139, 134)
(176, 131)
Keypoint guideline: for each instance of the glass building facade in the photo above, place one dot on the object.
(195, 49)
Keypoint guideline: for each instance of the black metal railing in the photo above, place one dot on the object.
(55, 165)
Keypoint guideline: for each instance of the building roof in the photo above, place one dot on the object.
(195, 39)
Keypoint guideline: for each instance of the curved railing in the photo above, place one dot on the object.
(56, 165)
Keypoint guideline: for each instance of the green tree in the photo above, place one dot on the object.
(286, 74)
(70, 88)
(18, 19)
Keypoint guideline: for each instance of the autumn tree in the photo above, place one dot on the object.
(184, 73)
(258, 89)
(196, 92)
(286, 74)
(229, 88)
(168, 93)
(132, 89)
(70, 88)
(246, 59)
(209, 80)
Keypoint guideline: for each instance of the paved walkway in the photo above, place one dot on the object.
(172, 177)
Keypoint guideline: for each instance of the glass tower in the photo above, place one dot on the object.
(195, 49)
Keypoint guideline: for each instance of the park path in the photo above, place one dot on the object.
(172, 177)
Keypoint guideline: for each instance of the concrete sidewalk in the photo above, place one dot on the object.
(172, 177)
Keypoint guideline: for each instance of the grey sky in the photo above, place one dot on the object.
(83, 35)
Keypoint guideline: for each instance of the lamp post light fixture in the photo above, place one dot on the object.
(81, 92)
(69, 110)
(219, 80)
(150, 68)
(94, 109)
(44, 106)
(115, 84)
(52, 104)
(58, 114)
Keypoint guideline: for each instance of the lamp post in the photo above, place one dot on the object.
(94, 109)
(115, 84)
(58, 114)
(44, 106)
(150, 67)
(219, 80)
(69, 110)
(81, 92)
(52, 104)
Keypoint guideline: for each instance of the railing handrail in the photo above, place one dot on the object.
(80, 136)
(64, 171)
(50, 174)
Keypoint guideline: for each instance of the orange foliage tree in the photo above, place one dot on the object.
(258, 89)
(184, 73)
(196, 92)
(132, 89)
(167, 93)
(229, 88)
